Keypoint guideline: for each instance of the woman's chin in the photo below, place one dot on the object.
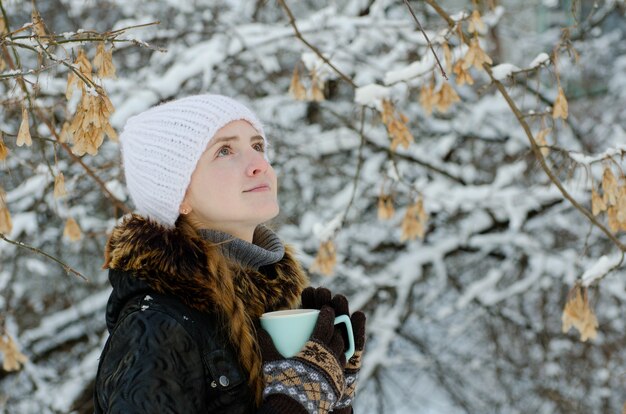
(270, 213)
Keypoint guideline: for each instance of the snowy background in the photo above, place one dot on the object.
(466, 319)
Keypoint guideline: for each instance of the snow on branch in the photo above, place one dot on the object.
(603, 266)
(371, 95)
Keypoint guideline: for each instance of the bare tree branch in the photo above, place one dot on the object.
(65, 266)
(292, 21)
(535, 148)
(430, 45)
(88, 170)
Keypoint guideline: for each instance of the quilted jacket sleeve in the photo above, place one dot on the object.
(151, 365)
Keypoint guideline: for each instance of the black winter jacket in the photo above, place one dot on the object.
(164, 357)
(176, 309)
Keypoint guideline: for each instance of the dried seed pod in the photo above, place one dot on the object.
(560, 106)
(103, 61)
(414, 222)
(296, 88)
(326, 258)
(59, 186)
(13, 358)
(385, 207)
(475, 56)
(72, 230)
(23, 135)
(578, 313)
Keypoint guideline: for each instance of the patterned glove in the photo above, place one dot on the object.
(311, 381)
(316, 298)
(352, 368)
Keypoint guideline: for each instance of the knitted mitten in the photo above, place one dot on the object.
(312, 380)
(315, 298)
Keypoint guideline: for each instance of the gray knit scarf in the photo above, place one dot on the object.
(266, 248)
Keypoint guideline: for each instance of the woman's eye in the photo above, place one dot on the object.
(225, 150)
(259, 147)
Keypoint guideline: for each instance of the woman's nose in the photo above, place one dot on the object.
(257, 164)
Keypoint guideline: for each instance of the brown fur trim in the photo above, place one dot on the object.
(179, 262)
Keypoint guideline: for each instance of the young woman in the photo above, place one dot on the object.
(194, 268)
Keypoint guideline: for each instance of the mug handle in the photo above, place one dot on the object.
(346, 319)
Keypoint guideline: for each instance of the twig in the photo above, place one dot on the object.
(292, 21)
(568, 153)
(441, 12)
(29, 72)
(9, 60)
(21, 29)
(33, 136)
(18, 44)
(430, 45)
(67, 267)
(70, 66)
(358, 167)
(533, 144)
(86, 35)
(107, 193)
(123, 29)
(405, 157)
(351, 82)
(88, 170)
(412, 188)
(537, 151)
(16, 74)
(550, 102)
(590, 23)
(617, 265)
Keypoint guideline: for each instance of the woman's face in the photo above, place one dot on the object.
(233, 188)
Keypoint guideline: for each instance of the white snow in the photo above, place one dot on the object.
(331, 142)
(371, 94)
(492, 297)
(117, 189)
(600, 268)
(36, 266)
(24, 224)
(503, 70)
(583, 159)
(493, 17)
(479, 287)
(313, 62)
(415, 69)
(55, 322)
(325, 231)
(62, 395)
(459, 15)
(33, 186)
(501, 247)
(541, 59)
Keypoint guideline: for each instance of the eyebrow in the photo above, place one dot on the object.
(235, 138)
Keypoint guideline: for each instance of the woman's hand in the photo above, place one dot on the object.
(315, 298)
(313, 379)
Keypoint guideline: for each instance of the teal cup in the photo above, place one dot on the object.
(291, 329)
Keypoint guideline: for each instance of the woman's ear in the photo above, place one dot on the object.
(184, 208)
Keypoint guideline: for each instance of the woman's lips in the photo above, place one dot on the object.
(258, 189)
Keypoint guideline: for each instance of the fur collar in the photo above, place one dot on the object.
(180, 263)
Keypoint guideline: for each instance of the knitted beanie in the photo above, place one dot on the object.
(161, 147)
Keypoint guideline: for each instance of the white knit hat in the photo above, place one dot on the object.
(161, 147)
